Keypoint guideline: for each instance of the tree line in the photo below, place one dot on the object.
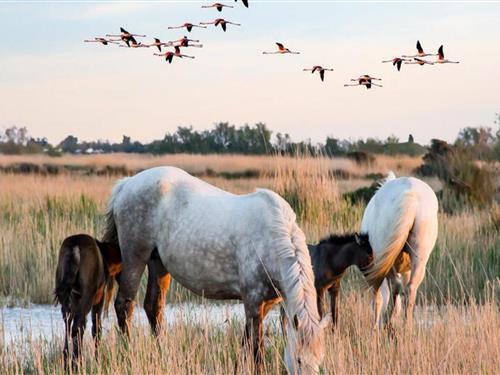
(258, 139)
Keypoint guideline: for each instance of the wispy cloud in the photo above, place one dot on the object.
(96, 11)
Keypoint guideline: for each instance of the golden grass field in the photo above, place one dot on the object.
(458, 318)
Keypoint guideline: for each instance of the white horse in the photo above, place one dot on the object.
(402, 224)
(220, 246)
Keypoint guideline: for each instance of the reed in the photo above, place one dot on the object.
(38, 212)
(447, 339)
(457, 318)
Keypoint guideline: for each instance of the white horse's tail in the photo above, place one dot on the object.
(399, 225)
(110, 231)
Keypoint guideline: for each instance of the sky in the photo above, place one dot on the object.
(55, 85)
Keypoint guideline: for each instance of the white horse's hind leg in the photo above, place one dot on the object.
(420, 243)
(133, 265)
(402, 284)
(380, 300)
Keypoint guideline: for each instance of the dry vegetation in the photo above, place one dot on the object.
(458, 324)
(447, 340)
(402, 165)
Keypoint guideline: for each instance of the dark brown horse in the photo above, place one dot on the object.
(85, 275)
(330, 259)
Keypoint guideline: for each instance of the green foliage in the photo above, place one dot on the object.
(465, 182)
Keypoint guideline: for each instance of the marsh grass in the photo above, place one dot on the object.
(229, 164)
(459, 296)
(447, 339)
(37, 213)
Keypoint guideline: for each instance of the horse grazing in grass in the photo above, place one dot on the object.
(220, 246)
(401, 220)
(85, 275)
(330, 258)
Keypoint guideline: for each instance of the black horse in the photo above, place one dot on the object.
(330, 259)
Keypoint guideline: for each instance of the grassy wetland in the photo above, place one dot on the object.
(457, 318)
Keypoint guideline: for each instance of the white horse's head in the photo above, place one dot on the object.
(305, 346)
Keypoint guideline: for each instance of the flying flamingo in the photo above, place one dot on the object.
(245, 2)
(319, 69)
(126, 36)
(442, 60)
(186, 42)
(187, 25)
(420, 51)
(281, 50)
(218, 6)
(365, 80)
(134, 44)
(158, 44)
(169, 56)
(222, 22)
(397, 61)
(420, 62)
(103, 41)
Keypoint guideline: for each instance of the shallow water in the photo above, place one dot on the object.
(45, 321)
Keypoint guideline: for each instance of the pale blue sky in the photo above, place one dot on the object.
(53, 83)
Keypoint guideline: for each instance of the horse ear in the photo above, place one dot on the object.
(358, 240)
(296, 322)
(325, 322)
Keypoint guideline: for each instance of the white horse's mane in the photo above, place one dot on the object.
(390, 176)
(297, 276)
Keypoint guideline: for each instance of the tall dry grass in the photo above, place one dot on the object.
(37, 213)
(403, 165)
(458, 316)
(445, 340)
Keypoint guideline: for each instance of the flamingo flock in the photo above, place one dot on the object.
(417, 59)
(129, 40)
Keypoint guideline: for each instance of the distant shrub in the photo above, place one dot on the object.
(247, 173)
(361, 195)
(341, 174)
(374, 176)
(465, 181)
(361, 158)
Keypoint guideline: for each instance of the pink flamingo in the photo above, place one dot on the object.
(222, 22)
(397, 62)
(442, 60)
(186, 42)
(420, 52)
(365, 80)
(319, 69)
(126, 36)
(187, 25)
(158, 44)
(103, 41)
(218, 6)
(420, 62)
(169, 56)
(281, 50)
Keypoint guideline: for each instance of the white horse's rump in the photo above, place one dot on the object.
(218, 245)
(401, 221)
